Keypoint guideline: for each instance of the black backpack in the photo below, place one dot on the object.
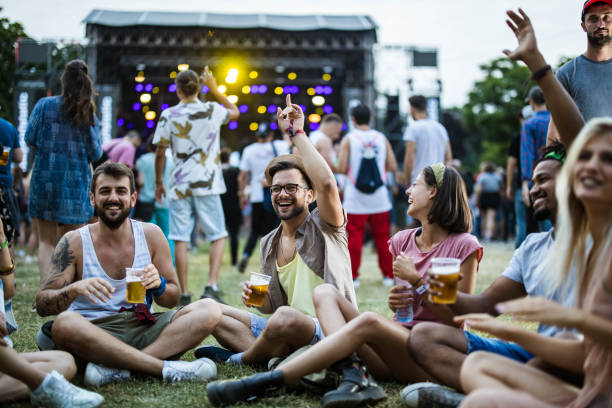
(368, 177)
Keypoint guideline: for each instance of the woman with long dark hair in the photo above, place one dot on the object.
(64, 137)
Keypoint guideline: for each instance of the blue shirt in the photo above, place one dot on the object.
(533, 138)
(8, 137)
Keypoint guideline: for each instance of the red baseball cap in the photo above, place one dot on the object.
(589, 3)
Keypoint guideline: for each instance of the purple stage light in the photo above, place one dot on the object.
(287, 89)
(273, 126)
(205, 89)
(130, 125)
(344, 127)
(327, 90)
(148, 87)
(328, 109)
(243, 108)
(120, 122)
(272, 109)
(263, 89)
(318, 89)
(296, 90)
(303, 108)
(233, 125)
(138, 87)
(172, 88)
(150, 124)
(254, 89)
(164, 106)
(136, 106)
(314, 126)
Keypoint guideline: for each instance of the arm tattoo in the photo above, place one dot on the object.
(53, 296)
(63, 256)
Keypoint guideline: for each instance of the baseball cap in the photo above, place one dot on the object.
(589, 3)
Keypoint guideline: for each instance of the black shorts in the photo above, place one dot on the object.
(489, 201)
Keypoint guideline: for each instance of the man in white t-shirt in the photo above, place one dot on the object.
(255, 158)
(323, 139)
(365, 207)
(426, 141)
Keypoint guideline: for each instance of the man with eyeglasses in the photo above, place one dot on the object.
(306, 250)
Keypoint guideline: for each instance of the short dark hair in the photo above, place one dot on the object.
(188, 82)
(332, 118)
(555, 151)
(537, 96)
(225, 154)
(418, 102)
(286, 162)
(361, 114)
(116, 170)
(450, 208)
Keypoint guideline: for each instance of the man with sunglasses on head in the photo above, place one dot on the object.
(304, 251)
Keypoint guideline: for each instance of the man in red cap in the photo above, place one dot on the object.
(587, 77)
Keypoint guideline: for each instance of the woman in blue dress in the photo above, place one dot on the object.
(64, 136)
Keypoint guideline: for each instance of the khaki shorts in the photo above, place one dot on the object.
(126, 327)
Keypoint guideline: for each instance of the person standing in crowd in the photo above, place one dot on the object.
(323, 139)
(64, 137)
(366, 156)
(255, 158)
(10, 152)
(587, 77)
(192, 129)
(231, 202)
(488, 197)
(123, 149)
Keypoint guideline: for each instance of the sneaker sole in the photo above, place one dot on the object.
(216, 354)
(354, 399)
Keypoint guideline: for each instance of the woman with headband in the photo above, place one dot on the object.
(355, 341)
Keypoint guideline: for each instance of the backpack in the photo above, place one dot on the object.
(368, 177)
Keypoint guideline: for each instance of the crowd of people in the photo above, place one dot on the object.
(310, 200)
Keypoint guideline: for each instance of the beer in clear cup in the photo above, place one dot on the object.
(135, 290)
(259, 287)
(447, 272)
(4, 155)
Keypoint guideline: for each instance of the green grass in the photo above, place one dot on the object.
(153, 393)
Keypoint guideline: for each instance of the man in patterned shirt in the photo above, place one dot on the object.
(192, 130)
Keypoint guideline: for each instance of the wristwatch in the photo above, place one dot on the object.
(422, 289)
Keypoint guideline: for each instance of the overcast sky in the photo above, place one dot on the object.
(466, 32)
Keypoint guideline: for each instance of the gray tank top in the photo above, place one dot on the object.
(93, 269)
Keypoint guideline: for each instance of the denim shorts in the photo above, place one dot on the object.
(497, 346)
(209, 211)
(259, 322)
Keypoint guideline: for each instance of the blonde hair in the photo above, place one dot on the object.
(572, 227)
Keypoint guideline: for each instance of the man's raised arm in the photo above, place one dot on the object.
(291, 120)
(59, 289)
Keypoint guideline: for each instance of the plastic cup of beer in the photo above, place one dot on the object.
(447, 272)
(4, 155)
(259, 287)
(135, 290)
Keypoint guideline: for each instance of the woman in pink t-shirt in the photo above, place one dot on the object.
(439, 201)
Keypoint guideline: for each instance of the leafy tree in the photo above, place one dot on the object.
(491, 113)
(9, 33)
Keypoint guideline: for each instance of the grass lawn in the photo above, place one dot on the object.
(154, 393)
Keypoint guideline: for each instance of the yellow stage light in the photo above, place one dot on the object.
(182, 67)
(232, 98)
(261, 109)
(140, 77)
(253, 74)
(150, 115)
(292, 75)
(278, 90)
(310, 91)
(222, 88)
(254, 126)
(173, 74)
(156, 90)
(318, 100)
(145, 98)
(145, 109)
(314, 118)
(246, 89)
(326, 77)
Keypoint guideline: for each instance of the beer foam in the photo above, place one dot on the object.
(445, 270)
(132, 279)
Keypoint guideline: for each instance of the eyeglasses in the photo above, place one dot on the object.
(290, 188)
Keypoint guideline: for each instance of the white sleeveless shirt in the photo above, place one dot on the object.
(92, 269)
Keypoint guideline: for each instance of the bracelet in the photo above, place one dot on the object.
(9, 270)
(158, 291)
(292, 134)
(421, 289)
(536, 76)
(4, 245)
(415, 284)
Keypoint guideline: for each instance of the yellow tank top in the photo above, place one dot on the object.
(298, 281)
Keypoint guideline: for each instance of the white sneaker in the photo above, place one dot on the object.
(427, 394)
(202, 369)
(56, 391)
(356, 283)
(29, 259)
(96, 375)
(388, 282)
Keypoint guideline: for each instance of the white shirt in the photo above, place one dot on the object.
(255, 159)
(317, 136)
(430, 138)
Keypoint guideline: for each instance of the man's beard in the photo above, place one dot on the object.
(542, 215)
(599, 41)
(297, 210)
(114, 223)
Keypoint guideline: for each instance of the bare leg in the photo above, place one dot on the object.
(440, 350)
(180, 257)
(188, 328)
(214, 260)
(33, 239)
(490, 216)
(234, 329)
(26, 371)
(48, 237)
(288, 329)
(333, 310)
(493, 398)
(487, 370)
(387, 339)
